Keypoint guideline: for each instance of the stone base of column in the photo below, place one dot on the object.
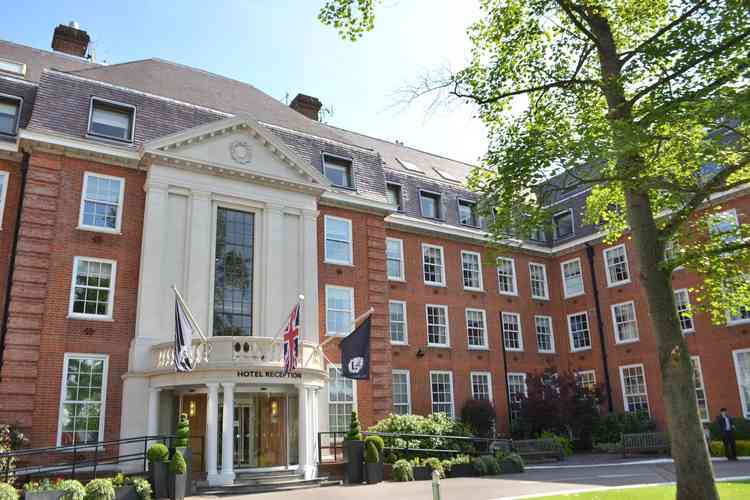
(226, 478)
(311, 471)
(214, 480)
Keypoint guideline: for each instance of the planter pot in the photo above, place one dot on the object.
(374, 472)
(188, 455)
(387, 472)
(354, 456)
(159, 478)
(126, 493)
(509, 467)
(422, 473)
(178, 486)
(462, 470)
(43, 495)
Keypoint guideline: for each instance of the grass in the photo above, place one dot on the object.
(739, 490)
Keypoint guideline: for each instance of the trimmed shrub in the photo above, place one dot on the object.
(371, 453)
(491, 465)
(565, 443)
(479, 416)
(355, 429)
(43, 485)
(741, 430)
(72, 489)
(612, 425)
(717, 448)
(479, 466)
(178, 465)
(402, 471)
(182, 432)
(158, 453)
(143, 488)
(437, 424)
(435, 464)
(100, 489)
(512, 463)
(119, 480)
(8, 492)
(379, 443)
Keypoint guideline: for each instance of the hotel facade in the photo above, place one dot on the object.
(120, 181)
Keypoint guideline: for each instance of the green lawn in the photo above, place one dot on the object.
(739, 490)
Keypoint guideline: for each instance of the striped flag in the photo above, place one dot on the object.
(183, 338)
(292, 345)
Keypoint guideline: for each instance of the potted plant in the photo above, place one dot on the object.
(178, 476)
(354, 451)
(460, 466)
(511, 463)
(42, 490)
(100, 489)
(182, 443)
(8, 492)
(432, 464)
(158, 455)
(402, 471)
(71, 489)
(421, 471)
(373, 456)
(142, 488)
(124, 490)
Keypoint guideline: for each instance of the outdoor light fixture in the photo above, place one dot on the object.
(191, 408)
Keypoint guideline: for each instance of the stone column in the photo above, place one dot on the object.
(199, 263)
(276, 303)
(312, 463)
(310, 330)
(303, 413)
(153, 411)
(212, 433)
(227, 435)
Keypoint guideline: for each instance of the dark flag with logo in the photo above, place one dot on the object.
(355, 353)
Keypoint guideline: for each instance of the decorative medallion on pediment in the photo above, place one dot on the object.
(241, 152)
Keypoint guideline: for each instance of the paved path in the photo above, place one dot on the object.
(538, 480)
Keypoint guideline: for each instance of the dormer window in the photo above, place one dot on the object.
(393, 193)
(12, 67)
(563, 222)
(467, 213)
(10, 111)
(111, 120)
(338, 170)
(429, 204)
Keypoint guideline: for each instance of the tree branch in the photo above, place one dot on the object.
(569, 7)
(527, 90)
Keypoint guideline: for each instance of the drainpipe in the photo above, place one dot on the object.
(12, 260)
(600, 326)
(505, 368)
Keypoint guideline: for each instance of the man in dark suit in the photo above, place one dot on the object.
(726, 428)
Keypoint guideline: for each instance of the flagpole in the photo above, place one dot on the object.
(356, 321)
(190, 314)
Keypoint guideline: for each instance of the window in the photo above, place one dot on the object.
(682, 303)
(83, 399)
(475, 328)
(447, 175)
(471, 265)
(545, 340)
(481, 386)
(393, 194)
(538, 280)
(578, 327)
(111, 120)
(394, 254)
(93, 289)
(411, 167)
(437, 325)
(10, 112)
(432, 265)
(429, 203)
(442, 392)
(17, 68)
(467, 213)
(672, 252)
(563, 223)
(724, 223)
(538, 234)
(700, 390)
(586, 379)
(338, 244)
(101, 202)
(625, 325)
(742, 370)
(401, 392)
(341, 401)
(517, 391)
(506, 276)
(616, 263)
(634, 392)
(397, 321)
(339, 310)
(511, 323)
(233, 273)
(4, 176)
(572, 278)
(338, 170)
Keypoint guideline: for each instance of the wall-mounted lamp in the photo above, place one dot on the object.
(192, 408)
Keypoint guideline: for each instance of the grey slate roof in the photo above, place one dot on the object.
(37, 60)
(20, 88)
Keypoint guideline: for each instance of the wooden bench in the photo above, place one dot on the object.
(538, 448)
(644, 442)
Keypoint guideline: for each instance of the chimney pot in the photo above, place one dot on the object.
(70, 39)
(307, 105)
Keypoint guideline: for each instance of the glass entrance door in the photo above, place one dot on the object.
(260, 427)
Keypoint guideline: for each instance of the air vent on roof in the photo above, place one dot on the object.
(410, 166)
(447, 176)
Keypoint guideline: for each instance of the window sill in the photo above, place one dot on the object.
(574, 295)
(474, 290)
(478, 348)
(547, 352)
(508, 294)
(439, 346)
(400, 344)
(513, 350)
(540, 298)
(738, 322)
(85, 317)
(397, 280)
(626, 342)
(619, 283)
(108, 139)
(582, 349)
(95, 229)
(335, 263)
(437, 285)
(689, 332)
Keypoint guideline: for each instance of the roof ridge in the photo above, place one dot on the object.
(102, 66)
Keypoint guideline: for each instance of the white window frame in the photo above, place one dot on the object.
(408, 388)
(611, 283)
(21, 67)
(565, 287)
(685, 291)
(485, 344)
(442, 265)
(438, 204)
(112, 288)
(329, 260)
(118, 224)
(481, 278)
(453, 392)
(520, 330)
(350, 290)
(116, 104)
(744, 398)
(580, 373)
(572, 225)
(696, 360)
(551, 334)
(402, 268)
(615, 325)
(406, 323)
(350, 167)
(447, 325)
(5, 179)
(488, 376)
(545, 281)
(337, 368)
(400, 206)
(473, 207)
(724, 214)
(515, 276)
(20, 101)
(63, 393)
(570, 332)
(625, 404)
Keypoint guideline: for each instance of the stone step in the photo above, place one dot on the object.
(255, 478)
(248, 489)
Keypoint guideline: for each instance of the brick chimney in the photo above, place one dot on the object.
(307, 105)
(70, 39)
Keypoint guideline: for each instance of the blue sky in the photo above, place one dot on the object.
(280, 47)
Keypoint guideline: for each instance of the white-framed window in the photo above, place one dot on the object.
(111, 120)
(467, 213)
(517, 390)
(684, 311)
(8, 66)
(429, 204)
(724, 222)
(92, 289)
(512, 336)
(441, 385)
(10, 114)
(572, 275)
(338, 170)
(83, 398)
(4, 179)
(393, 195)
(700, 389)
(433, 265)
(101, 203)
(624, 322)
(586, 379)
(545, 339)
(538, 281)
(401, 387)
(672, 252)
(437, 325)
(471, 266)
(563, 223)
(742, 370)
(578, 328)
(342, 399)
(338, 240)
(476, 328)
(397, 322)
(506, 276)
(481, 386)
(339, 310)
(394, 255)
(616, 265)
(634, 390)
